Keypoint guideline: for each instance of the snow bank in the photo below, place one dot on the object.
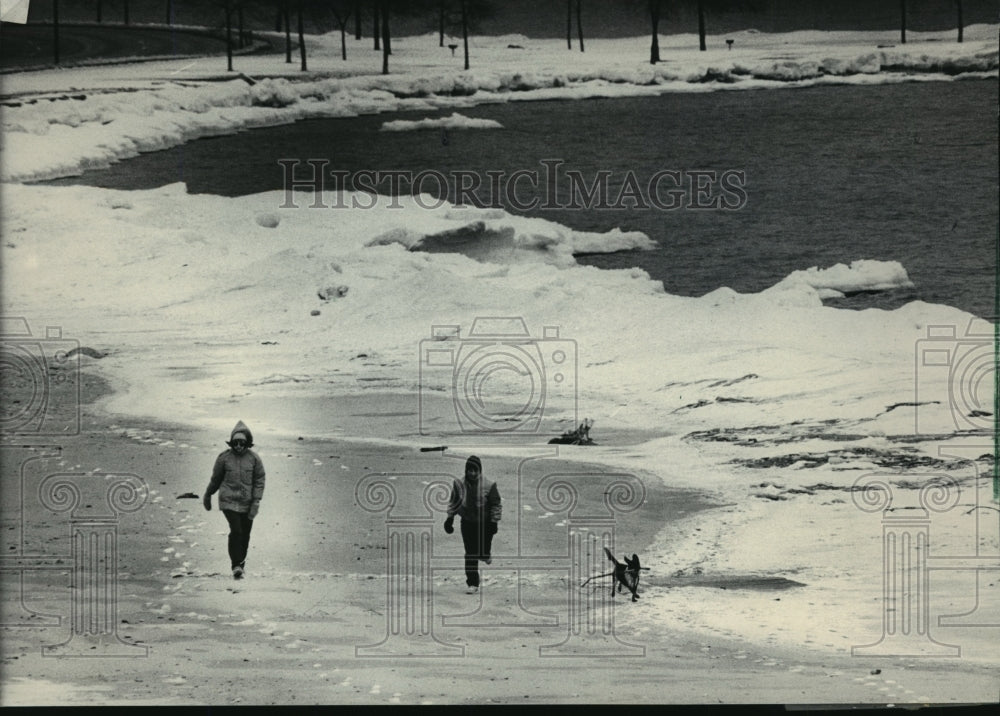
(863, 275)
(124, 112)
(155, 257)
(495, 235)
(721, 393)
(771, 402)
(455, 121)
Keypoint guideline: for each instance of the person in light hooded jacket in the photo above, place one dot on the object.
(238, 477)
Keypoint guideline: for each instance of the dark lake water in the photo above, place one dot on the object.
(824, 175)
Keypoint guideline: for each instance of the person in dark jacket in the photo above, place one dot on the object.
(238, 477)
(477, 501)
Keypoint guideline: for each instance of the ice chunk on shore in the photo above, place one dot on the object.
(455, 121)
(861, 275)
(495, 236)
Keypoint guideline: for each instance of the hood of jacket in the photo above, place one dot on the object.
(241, 427)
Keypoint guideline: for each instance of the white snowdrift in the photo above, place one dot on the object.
(121, 112)
(495, 235)
(772, 402)
(862, 275)
(455, 121)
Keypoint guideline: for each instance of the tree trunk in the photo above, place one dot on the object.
(654, 16)
(701, 25)
(386, 42)
(343, 40)
(376, 33)
(229, 35)
(55, 31)
(170, 12)
(569, 24)
(902, 21)
(386, 34)
(100, 15)
(240, 34)
(357, 19)
(465, 33)
(302, 38)
(286, 17)
(441, 23)
(579, 23)
(961, 24)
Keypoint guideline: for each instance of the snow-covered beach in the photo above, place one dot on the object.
(207, 309)
(53, 132)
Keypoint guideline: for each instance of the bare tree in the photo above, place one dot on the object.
(342, 13)
(442, 9)
(579, 23)
(902, 21)
(704, 7)
(386, 8)
(386, 39)
(961, 24)
(569, 24)
(461, 17)
(654, 17)
(234, 9)
(701, 26)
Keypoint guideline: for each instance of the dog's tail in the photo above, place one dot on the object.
(610, 556)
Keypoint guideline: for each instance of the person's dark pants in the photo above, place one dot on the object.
(240, 525)
(478, 541)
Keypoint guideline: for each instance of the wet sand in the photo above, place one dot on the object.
(316, 621)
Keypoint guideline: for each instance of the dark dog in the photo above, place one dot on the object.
(623, 575)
